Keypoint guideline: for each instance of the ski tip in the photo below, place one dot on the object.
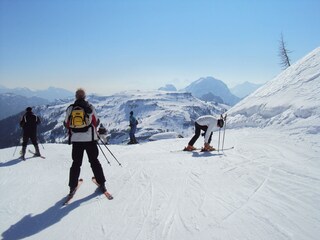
(108, 195)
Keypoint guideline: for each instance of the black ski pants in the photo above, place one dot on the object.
(197, 132)
(77, 157)
(27, 136)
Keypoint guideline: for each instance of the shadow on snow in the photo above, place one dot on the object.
(30, 225)
(11, 162)
(205, 154)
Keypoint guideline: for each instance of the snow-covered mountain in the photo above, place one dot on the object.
(11, 104)
(14, 100)
(244, 89)
(157, 112)
(291, 100)
(168, 87)
(50, 94)
(203, 86)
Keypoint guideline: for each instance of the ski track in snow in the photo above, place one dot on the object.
(264, 188)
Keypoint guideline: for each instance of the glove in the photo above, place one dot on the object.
(220, 123)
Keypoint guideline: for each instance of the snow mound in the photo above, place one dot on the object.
(166, 135)
(290, 100)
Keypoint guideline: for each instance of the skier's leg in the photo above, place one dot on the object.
(35, 144)
(210, 138)
(25, 140)
(131, 135)
(77, 155)
(196, 134)
(93, 152)
(134, 139)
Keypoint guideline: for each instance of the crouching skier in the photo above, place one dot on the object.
(205, 123)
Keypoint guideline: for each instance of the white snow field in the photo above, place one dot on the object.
(266, 187)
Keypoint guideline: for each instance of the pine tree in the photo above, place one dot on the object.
(284, 54)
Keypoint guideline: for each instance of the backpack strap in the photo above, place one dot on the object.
(92, 132)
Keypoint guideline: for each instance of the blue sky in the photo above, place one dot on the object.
(109, 46)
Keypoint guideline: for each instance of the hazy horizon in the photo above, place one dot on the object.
(111, 46)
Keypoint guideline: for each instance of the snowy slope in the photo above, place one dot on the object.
(291, 100)
(254, 191)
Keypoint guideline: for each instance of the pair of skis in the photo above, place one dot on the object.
(198, 150)
(34, 155)
(80, 181)
(201, 150)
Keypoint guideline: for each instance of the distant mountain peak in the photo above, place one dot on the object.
(168, 87)
(244, 89)
(205, 85)
(50, 94)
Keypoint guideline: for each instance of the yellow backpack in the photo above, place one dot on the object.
(79, 120)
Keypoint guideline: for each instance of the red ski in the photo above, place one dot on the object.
(71, 195)
(106, 193)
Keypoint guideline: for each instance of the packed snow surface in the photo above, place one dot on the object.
(267, 187)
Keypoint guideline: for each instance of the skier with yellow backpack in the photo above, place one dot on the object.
(81, 120)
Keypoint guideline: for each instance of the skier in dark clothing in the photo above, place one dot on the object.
(83, 138)
(133, 127)
(29, 122)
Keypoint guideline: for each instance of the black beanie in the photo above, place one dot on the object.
(28, 109)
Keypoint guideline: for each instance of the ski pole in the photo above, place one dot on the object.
(219, 140)
(16, 148)
(103, 154)
(15, 151)
(219, 124)
(40, 142)
(107, 148)
(224, 130)
(110, 152)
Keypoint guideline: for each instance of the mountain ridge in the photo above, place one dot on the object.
(206, 85)
(157, 112)
(50, 94)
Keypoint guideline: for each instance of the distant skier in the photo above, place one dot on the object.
(103, 133)
(133, 127)
(81, 120)
(29, 122)
(205, 123)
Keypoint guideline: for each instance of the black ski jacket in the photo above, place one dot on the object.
(29, 122)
